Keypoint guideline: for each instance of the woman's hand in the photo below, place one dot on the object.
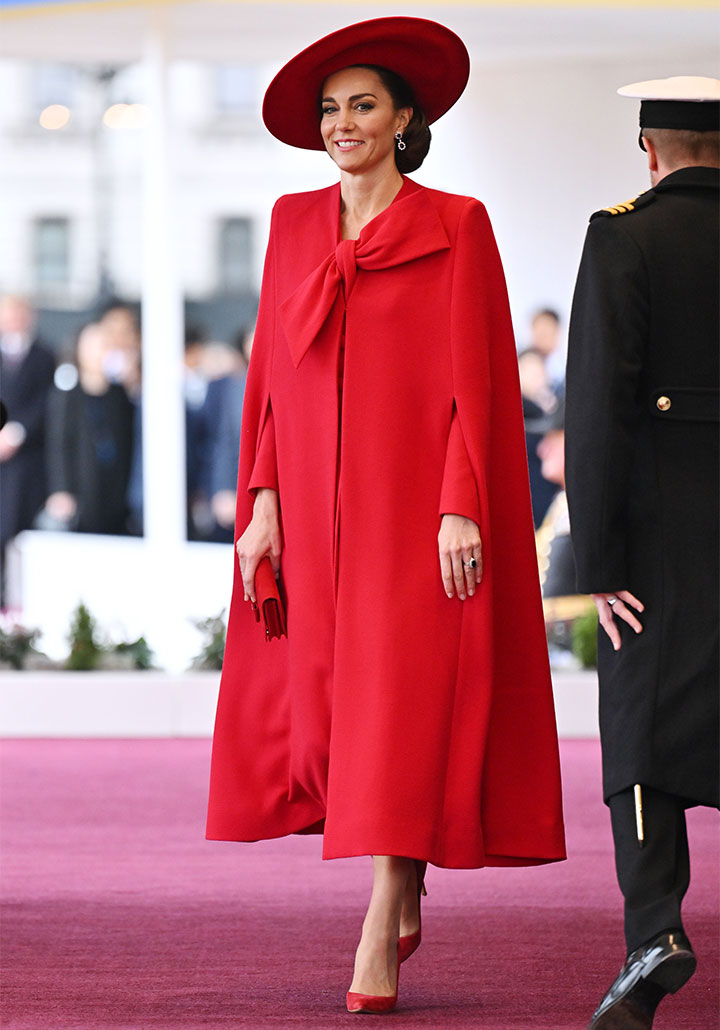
(458, 543)
(261, 537)
(609, 605)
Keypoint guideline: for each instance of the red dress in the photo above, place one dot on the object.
(393, 719)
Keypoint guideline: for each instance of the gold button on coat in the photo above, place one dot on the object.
(664, 403)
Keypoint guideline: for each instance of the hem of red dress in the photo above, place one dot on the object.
(487, 861)
(237, 837)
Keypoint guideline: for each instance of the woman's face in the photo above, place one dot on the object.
(359, 120)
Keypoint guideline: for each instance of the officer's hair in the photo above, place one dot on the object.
(678, 145)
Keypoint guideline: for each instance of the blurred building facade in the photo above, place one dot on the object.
(539, 136)
(72, 175)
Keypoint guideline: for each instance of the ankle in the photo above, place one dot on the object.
(379, 931)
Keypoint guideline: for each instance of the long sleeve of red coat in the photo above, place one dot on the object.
(459, 495)
(264, 473)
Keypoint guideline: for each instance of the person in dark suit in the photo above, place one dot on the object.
(642, 482)
(539, 401)
(120, 321)
(196, 382)
(89, 445)
(223, 414)
(556, 563)
(26, 374)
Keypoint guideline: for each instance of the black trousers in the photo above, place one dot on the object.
(653, 878)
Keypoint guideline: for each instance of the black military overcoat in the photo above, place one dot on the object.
(642, 476)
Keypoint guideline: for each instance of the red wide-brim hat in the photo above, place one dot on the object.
(431, 58)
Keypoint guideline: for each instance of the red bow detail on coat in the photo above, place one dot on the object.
(408, 229)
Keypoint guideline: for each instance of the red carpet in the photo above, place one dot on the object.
(117, 914)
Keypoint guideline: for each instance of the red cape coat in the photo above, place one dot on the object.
(393, 719)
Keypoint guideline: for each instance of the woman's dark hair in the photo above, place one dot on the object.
(417, 134)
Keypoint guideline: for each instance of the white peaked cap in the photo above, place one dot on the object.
(677, 87)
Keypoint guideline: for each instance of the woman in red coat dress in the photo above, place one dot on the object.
(408, 714)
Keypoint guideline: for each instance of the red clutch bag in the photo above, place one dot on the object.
(268, 601)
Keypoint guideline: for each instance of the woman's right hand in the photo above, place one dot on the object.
(262, 537)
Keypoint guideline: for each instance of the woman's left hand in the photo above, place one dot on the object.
(459, 543)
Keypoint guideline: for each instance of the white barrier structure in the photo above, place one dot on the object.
(150, 704)
(130, 586)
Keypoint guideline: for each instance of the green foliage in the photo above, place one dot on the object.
(16, 644)
(85, 651)
(213, 649)
(138, 650)
(584, 638)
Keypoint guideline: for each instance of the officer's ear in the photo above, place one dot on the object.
(652, 154)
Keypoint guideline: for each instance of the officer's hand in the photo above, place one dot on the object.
(609, 605)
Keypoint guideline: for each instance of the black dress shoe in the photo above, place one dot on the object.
(650, 972)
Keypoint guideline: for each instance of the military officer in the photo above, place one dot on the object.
(642, 483)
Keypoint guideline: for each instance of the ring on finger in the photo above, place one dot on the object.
(471, 564)
(612, 600)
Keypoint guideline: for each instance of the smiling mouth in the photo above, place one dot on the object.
(348, 144)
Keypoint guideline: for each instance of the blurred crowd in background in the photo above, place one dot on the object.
(71, 451)
(541, 363)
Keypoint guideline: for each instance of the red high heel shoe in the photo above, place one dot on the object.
(410, 942)
(372, 1004)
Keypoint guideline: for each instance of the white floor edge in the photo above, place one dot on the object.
(154, 704)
